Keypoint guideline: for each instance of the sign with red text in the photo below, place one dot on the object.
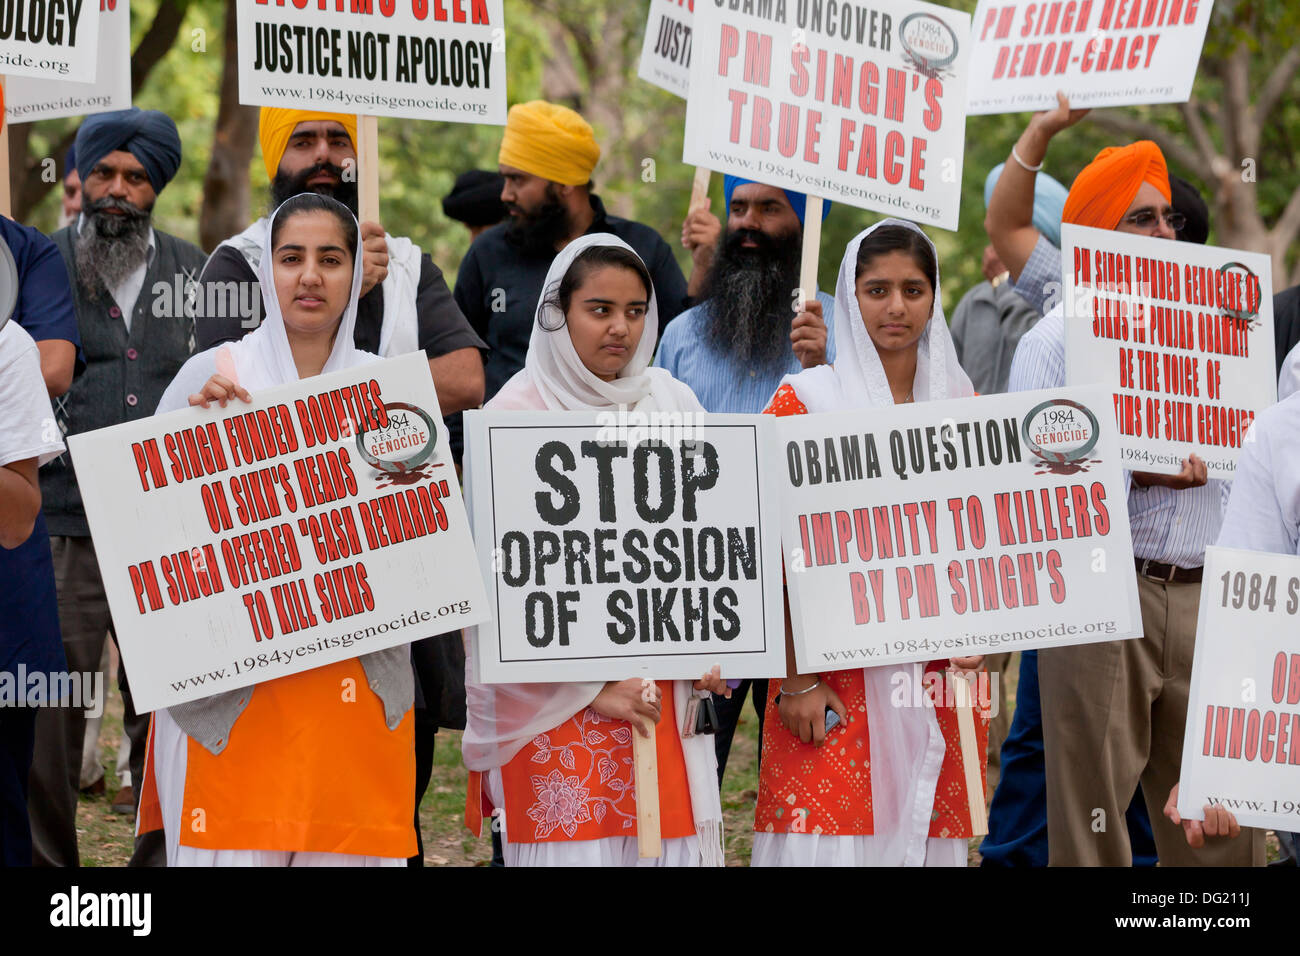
(50, 39)
(666, 49)
(30, 99)
(625, 544)
(1182, 335)
(411, 59)
(1098, 52)
(1241, 749)
(860, 105)
(317, 524)
(955, 529)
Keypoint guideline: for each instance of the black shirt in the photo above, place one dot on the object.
(499, 284)
(1286, 322)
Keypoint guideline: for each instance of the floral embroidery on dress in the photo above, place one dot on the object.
(561, 802)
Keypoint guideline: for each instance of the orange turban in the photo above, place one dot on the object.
(1104, 190)
(549, 141)
(276, 125)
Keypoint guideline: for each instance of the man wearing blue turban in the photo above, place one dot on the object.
(129, 288)
(743, 336)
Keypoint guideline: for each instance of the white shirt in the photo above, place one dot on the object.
(1264, 508)
(128, 291)
(27, 426)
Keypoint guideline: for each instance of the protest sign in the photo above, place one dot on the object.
(412, 59)
(666, 48)
(318, 524)
(1241, 749)
(31, 99)
(51, 39)
(851, 103)
(955, 528)
(1099, 52)
(1181, 334)
(618, 547)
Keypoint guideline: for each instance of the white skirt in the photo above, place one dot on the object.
(819, 849)
(170, 753)
(610, 851)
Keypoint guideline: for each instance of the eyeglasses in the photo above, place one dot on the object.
(1146, 218)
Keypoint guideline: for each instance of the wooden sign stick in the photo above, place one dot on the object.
(700, 189)
(970, 754)
(645, 777)
(6, 206)
(368, 168)
(812, 243)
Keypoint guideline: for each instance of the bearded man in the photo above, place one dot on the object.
(135, 337)
(735, 346)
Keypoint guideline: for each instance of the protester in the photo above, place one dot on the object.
(547, 156)
(135, 336)
(590, 349)
(70, 205)
(44, 307)
(1116, 710)
(885, 787)
(990, 319)
(733, 348)
(405, 304)
(475, 201)
(29, 618)
(289, 771)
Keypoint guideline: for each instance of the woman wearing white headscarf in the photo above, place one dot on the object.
(552, 763)
(887, 790)
(316, 768)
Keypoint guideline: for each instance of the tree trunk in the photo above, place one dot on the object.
(226, 188)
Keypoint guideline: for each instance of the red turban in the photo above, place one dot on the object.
(1104, 190)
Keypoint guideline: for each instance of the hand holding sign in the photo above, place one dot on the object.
(624, 700)
(1218, 822)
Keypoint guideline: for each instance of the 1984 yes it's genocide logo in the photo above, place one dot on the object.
(1062, 433)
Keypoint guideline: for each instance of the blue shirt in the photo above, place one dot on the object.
(1039, 282)
(720, 381)
(44, 307)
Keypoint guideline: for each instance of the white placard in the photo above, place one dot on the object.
(411, 59)
(1099, 52)
(51, 39)
(955, 528)
(1241, 748)
(865, 106)
(1182, 335)
(242, 544)
(666, 49)
(27, 99)
(609, 555)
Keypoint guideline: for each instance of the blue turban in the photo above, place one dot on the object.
(148, 135)
(798, 201)
(1049, 202)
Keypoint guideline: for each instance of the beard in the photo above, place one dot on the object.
(751, 296)
(109, 247)
(286, 186)
(537, 233)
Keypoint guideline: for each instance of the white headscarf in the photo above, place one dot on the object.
(263, 357)
(857, 379)
(502, 718)
(554, 370)
(907, 746)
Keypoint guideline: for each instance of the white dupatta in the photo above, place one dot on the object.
(907, 746)
(502, 718)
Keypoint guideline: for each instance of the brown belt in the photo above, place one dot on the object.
(1167, 572)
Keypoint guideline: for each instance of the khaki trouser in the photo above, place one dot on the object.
(1000, 725)
(1113, 715)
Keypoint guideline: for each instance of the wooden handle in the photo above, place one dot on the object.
(700, 188)
(812, 243)
(368, 168)
(970, 754)
(645, 776)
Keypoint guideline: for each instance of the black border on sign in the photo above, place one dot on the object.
(496, 584)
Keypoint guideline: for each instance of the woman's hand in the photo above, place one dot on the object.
(804, 715)
(221, 390)
(623, 700)
(965, 665)
(1218, 822)
(713, 682)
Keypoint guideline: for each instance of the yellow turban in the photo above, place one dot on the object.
(276, 125)
(549, 141)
